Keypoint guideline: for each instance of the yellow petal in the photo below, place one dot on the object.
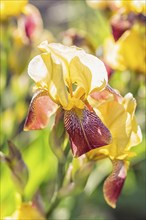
(27, 211)
(39, 69)
(58, 80)
(80, 74)
(96, 68)
(131, 44)
(120, 120)
(133, 6)
(11, 8)
(88, 64)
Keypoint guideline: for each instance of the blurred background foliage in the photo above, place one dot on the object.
(69, 22)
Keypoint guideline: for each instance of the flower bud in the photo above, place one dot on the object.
(17, 166)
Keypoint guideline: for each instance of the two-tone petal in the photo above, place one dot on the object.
(114, 183)
(79, 67)
(119, 117)
(47, 73)
(40, 110)
(86, 131)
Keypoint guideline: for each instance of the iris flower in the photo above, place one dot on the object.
(26, 211)
(133, 6)
(117, 113)
(65, 77)
(11, 8)
(120, 55)
(98, 120)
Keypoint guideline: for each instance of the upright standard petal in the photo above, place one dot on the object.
(58, 80)
(40, 109)
(80, 74)
(80, 65)
(114, 183)
(86, 131)
(40, 68)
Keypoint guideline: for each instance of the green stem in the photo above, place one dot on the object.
(55, 198)
(59, 181)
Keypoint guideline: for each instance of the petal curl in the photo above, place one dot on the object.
(86, 131)
(67, 55)
(37, 69)
(108, 93)
(114, 183)
(80, 74)
(40, 109)
(120, 120)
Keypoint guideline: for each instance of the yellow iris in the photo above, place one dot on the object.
(100, 123)
(133, 6)
(67, 73)
(26, 211)
(121, 55)
(10, 8)
(119, 118)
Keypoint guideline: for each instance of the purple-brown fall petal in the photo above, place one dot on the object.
(114, 183)
(40, 109)
(86, 131)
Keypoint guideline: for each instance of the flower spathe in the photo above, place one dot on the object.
(118, 116)
(66, 76)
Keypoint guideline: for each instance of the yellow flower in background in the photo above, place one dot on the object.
(10, 8)
(103, 4)
(119, 117)
(124, 6)
(26, 211)
(97, 4)
(135, 6)
(128, 52)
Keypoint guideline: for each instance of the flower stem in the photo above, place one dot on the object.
(55, 198)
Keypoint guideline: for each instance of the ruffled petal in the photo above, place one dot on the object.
(97, 69)
(91, 67)
(40, 109)
(120, 120)
(107, 94)
(58, 81)
(80, 74)
(37, 69)
(86, 131)
(114, 183)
